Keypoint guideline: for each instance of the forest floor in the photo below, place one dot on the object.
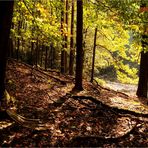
(46, 112)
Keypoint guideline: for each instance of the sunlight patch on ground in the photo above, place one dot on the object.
(132, 105)
(5, 124)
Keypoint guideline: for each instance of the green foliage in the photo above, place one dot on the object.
(100, 81)
(37, 21)
(119, 23)
(119, 36)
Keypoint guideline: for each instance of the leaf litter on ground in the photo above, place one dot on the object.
(70, 120)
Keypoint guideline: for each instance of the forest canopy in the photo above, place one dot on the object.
(36, 35)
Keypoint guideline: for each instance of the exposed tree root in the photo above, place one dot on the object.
(34, 124)
(107, 139)
(122, 112)
(37, 124)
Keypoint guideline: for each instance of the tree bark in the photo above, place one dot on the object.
(93, 59)
(37, 52)
(143, 76)
(41, 58)
(31, 54)
(18, 48)
(72, 51)
(46, 57)
(6, 11)
(62, 34)
(66, 37)
(79, 50)
(142, 90)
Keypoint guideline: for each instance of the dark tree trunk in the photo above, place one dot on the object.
(79, 51)
(143, 76)
(52, 56)
(93, 59)
(6, 11)
(142, 90)
(18, 49)
(32, 51)
(42, 49)
(62, 61)
(18, 41)
(66, 37)
(72, 51)
(37, 52)
(46, 57)
(62, 34)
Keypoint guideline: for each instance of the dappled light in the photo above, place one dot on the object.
(73, 73)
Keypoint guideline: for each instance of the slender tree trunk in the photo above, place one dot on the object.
(6, 11)
(18, 49)
(79, 51)
(93, 59)
(37, 52)
(72, 51)
(38, 58)
(31, 56)
(46, 57)
(63, 61)
(66, 37)
(53, 57)
(62, 34)
(42, 49)
(51, 61)
(18, 41)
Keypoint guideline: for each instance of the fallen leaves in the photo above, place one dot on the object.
(65, 118)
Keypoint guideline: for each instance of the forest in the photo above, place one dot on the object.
(73, 73)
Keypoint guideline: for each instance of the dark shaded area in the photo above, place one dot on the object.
(6, 11)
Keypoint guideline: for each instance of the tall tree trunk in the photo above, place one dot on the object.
(63, 61)
(93, 59)
(142, 90)
(143, 76)
(52, 56)
(46, 57)
(6, 11)
(42, 50)
(18, 40)
(62, 34)
(66, 37)
(72, 51)
(31, 56)
(18, 48)
(37, 53)
(79, 51)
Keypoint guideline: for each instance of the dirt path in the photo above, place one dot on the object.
(126, 88)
